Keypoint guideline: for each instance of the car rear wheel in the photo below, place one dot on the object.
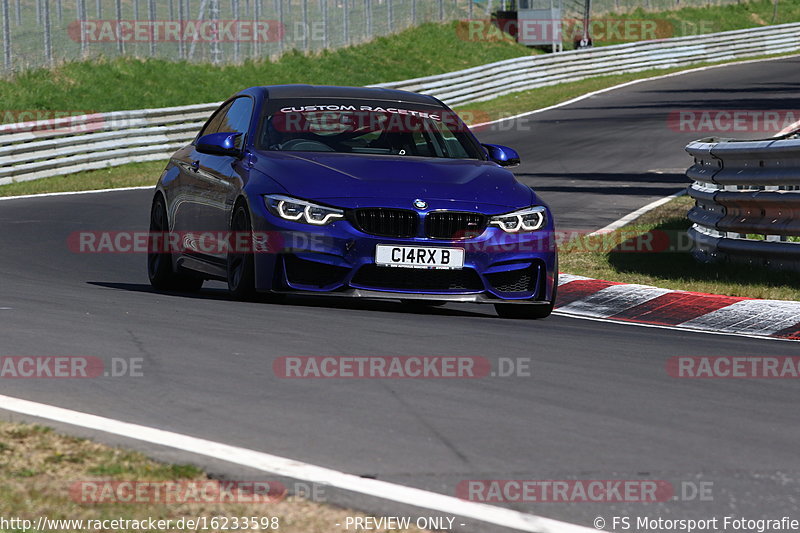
(159, 263)
(241, 266)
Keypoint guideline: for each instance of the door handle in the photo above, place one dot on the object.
(195, 165)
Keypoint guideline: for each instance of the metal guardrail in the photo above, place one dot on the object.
(503, 77)
(48, 148)
(747, 201)
(56, 147)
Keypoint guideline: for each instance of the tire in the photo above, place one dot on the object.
(159, 265)
(241, 266)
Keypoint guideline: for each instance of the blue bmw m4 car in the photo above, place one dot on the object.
(358, 192)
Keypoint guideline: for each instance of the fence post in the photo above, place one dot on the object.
(18, 12)
(48, 46)
(281, 28)
(60, 10)
(118, 15)
(441, 10)
(181, 23)
(80, 7)
(151, 16)
(235, 16)
(256, 17)
(324, 5)
(6, 38)
(413, 12)
(98, 8)
(214, 50)
(345, 22)
(369, 18)
(305, 25)
(389, 17)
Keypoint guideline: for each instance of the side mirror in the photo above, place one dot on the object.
(502, 155)
(219, 144)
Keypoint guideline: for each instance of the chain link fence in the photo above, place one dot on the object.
(42, 33)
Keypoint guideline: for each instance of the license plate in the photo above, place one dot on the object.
(419, 257)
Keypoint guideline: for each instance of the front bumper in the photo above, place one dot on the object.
(339, 260)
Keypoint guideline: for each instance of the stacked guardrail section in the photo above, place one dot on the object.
(747, 201)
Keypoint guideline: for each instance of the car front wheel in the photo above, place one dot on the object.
(159, 258)
(241, 264)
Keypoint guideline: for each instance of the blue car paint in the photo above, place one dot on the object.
(357, 180)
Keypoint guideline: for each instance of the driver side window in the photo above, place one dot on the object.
(213, 125)
(233, 118)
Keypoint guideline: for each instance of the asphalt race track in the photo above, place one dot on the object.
(599, 403)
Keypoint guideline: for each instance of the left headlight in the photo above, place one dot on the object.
(289, 208)
(528, 219)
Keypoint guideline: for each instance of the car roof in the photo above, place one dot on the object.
(355, 93)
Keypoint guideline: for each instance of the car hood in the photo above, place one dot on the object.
(349, 180)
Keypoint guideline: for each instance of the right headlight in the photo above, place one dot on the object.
(528, 219)
(289, 208)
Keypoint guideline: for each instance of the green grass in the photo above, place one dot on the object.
(138, 83)
(41, 475)
(674, 270)
(131, 175)
(696, 20)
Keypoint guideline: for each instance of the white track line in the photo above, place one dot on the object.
(673, 328)
(630, 217)
(614, 299)
(297, 470)
(626, 84)
(71, 193)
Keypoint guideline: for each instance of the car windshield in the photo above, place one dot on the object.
(365, 127)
